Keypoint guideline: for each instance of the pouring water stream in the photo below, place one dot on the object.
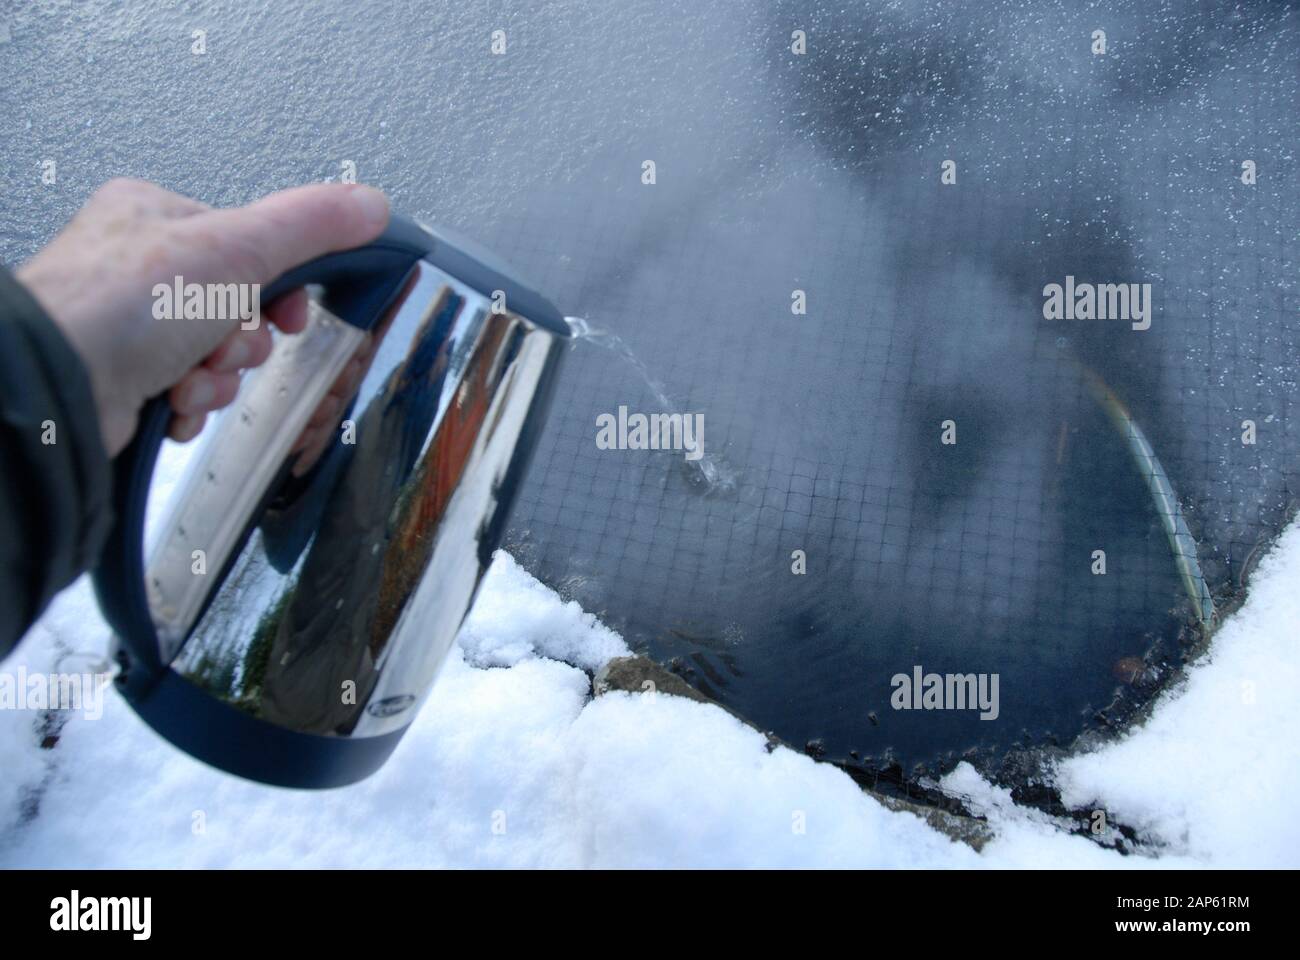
(708, 471)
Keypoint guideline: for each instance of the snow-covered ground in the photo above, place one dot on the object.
(512, 763)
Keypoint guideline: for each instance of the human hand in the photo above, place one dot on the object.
(96, 280)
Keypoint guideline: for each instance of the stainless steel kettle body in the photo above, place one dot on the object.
(297, 600)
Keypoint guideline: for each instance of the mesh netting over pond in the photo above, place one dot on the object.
(821, 172)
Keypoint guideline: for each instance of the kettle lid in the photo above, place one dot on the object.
(487, 273)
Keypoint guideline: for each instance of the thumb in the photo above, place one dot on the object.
(285, 229)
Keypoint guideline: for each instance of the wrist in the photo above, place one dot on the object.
(116, 413)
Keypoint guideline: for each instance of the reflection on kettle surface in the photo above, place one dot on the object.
(352, 579)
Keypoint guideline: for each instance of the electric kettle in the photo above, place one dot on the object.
(293, 602)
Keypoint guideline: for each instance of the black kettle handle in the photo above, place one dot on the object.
(358, 285)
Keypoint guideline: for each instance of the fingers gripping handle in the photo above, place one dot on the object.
(358, 285)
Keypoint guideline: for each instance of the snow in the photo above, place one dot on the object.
(1215, 772)
(512, 763)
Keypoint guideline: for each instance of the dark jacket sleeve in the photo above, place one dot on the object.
(54, 473)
